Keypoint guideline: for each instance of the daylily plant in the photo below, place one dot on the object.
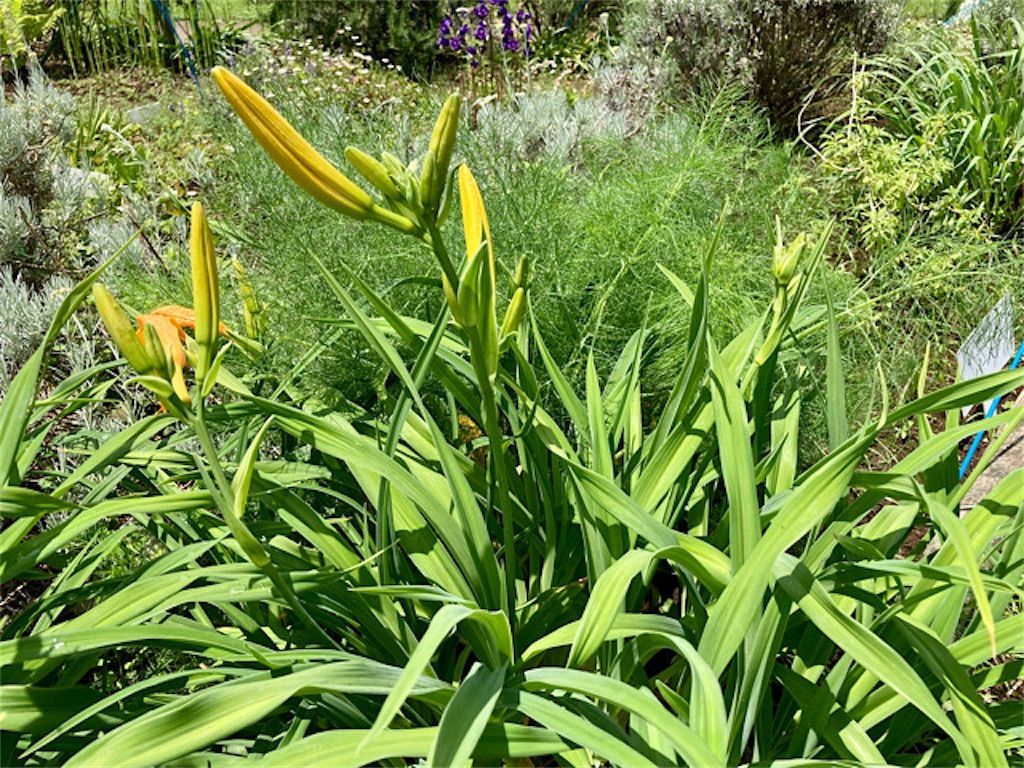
(603, 583)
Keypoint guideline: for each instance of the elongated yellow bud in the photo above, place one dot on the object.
(476, 291)
(474, 217)
(295, 156)
(121, 330)
(442, 144)
(517, 306)
(373, 171)
(514, 313)
(205, 290)
(428, 179)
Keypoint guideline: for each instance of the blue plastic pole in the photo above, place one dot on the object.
(575, 12)
(163, 11)
(990, 412)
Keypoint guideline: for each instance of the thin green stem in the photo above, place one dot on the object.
(499, 475)
(492, 428)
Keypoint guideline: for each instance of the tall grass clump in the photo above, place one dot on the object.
(970, 99)
(99, 35)
(471, 578)
(924, 173)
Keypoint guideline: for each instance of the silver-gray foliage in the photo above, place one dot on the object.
(56, 221)
(25, 313)
(44, 199)
(545, 123)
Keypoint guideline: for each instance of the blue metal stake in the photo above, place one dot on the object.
(989, 413)
(163, 11)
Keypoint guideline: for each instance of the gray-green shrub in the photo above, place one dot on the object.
(784, 52)
(57, 221)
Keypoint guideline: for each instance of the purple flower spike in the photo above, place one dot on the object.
(481, 32)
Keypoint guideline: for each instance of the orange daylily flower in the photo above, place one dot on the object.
(169, 322)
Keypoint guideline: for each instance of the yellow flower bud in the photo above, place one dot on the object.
(121, 331)
(474, 216)
(373, 171)
(428, 179)
(286, 147)
(476, 297)
(441, 145)
(514, 313)
(205, 291)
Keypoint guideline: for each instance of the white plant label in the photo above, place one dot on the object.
(990, 346)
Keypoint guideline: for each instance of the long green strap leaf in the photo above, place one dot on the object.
(736, 459)
(580, 730)
(222, 710)
(465, 717)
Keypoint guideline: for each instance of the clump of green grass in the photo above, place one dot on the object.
(974, 90)
(924, 176)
